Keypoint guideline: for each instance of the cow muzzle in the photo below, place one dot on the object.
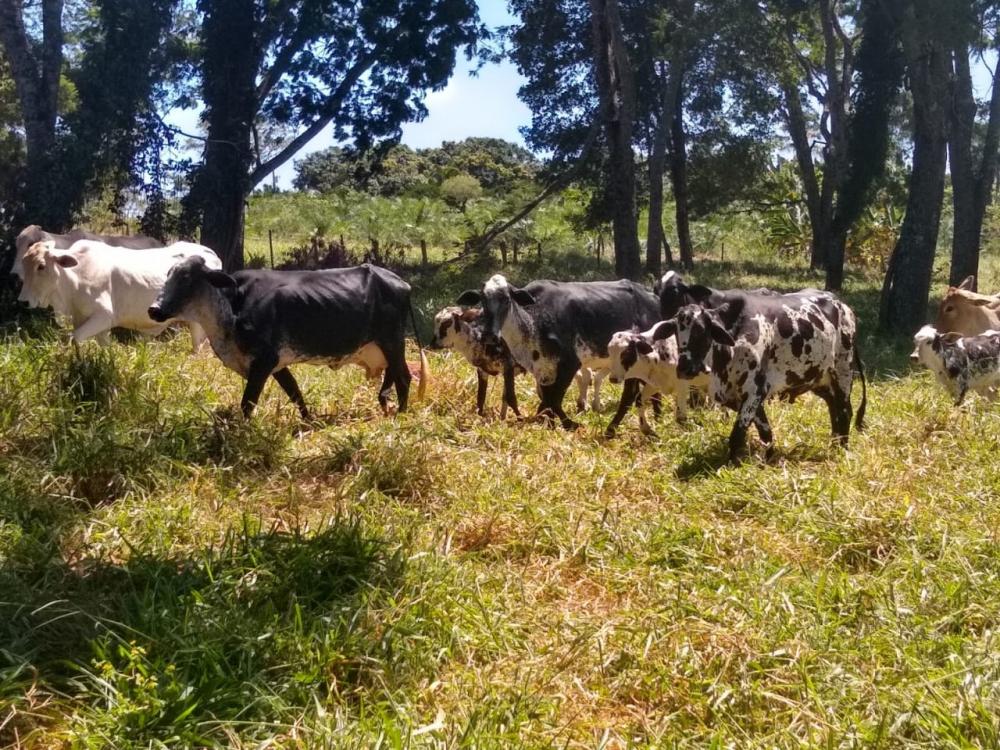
(689, 370)
(914, 356)
(156, 313)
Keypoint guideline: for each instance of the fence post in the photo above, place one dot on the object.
(270, 244)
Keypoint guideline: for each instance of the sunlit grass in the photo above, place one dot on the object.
(171, 575)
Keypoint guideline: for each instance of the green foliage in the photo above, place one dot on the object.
(461, 189)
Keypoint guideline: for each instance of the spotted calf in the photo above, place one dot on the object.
(756, 347)
(960, 363)
(653, 362)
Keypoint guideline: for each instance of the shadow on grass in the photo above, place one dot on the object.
(255, 629)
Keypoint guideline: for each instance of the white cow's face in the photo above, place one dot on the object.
(624, 350)
(43, 268)
(449, 328)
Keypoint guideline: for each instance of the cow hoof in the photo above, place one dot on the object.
(648, 431)
(569, 424)
(609, 432)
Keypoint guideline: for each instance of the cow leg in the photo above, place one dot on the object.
(582, 383)
(257, 375)
(198, 336)
(482, 382)
(509, 394)
(645, 397)
(839, 405)
(553, 395)
(682, 395)
(289, 386)
(745, 417)
(597, 382)
(383, 392)
(764, 431)
(630, 391)
(397, 370)
(97, 324)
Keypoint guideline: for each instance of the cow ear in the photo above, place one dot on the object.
(522, 297)
(66, 261)
(643, 347)
(699, 293)
(951, 337)
(968, 284)
(221, 280)
(719, 333)
(664, 329)
(469, 297)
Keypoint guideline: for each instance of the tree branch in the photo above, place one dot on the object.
(332, 110)
(280, 65)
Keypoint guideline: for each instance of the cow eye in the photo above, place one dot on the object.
(949, 308)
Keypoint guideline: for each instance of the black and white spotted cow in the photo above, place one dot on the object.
(960, 363)
(554, 328)
(674, 293)
(636, 355)
(756, 347)
(462, 329)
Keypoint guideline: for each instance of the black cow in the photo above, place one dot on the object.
(260, 322)
(554, 328)
(759, 346)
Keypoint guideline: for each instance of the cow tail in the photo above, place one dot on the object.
(425, 373)
(859, 419)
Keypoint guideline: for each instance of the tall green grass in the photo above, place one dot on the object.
(172, 575)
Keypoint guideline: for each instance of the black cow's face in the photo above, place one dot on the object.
(675, 294)
(185, 283)
(497, 299)
(697, 329)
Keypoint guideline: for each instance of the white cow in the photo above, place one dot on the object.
(100, 287)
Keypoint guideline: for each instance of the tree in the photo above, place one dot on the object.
(973, 165)
(36, 66)
(360, 67)
(461, 189)
(923, 27)
(616, 92)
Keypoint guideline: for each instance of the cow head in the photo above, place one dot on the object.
(624, 351)
(187, 282)
(696, 329)
(928, 343)
(497, 299)
(451, 326)
(674, 294)
(966, 312)
(42, 268)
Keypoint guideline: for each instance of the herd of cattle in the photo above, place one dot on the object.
(738, 348)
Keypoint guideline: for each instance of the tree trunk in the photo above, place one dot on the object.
(971, 186)
(423, 252)
(223, 183)
(795, 121)
(678, 177)
(36, 72)
(908, 279)
(654, 226)
(616, 89)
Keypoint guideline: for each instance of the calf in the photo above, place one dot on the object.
(967, 313)
(960, 363)
(261, 322)
(462, 329)
(100, 287)
(653, 362)
(757, 347)
(33, 234)
(554, 328)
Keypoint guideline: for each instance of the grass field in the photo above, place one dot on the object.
(172, 576)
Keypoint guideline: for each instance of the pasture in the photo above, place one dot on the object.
(174, 576)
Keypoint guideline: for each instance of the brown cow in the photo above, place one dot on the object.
(966, 312)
